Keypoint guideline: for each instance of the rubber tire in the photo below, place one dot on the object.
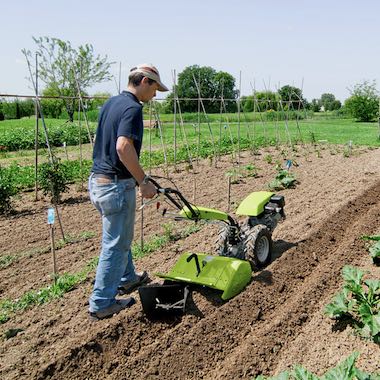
(221, 243)
(223, 247)
(259, 238)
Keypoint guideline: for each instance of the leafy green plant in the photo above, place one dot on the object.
(7, 190)
(359, 301)
(268, 158)
(53, 180)
(158, 241)
(235, 175)
(346, 370)
(250, 170)
(374, 250)
(283, 180)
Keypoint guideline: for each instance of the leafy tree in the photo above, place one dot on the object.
(329, 102)
(17, 109)
(101, 98)
(51, 107)
(266, 100)
(212, 85)
(315, 105)
(363, 104)
(293, 96)
(247, 103)
(61, 66)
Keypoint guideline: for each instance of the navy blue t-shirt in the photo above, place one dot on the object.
(121, 115)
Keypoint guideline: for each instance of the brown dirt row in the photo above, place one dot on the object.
(277, 321)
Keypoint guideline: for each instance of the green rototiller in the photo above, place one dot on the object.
(240, 247)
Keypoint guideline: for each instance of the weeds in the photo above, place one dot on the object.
(63, 284)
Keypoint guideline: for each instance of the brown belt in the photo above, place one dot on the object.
(107, 178)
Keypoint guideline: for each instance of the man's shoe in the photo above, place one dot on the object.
(111, 310)
(141, 279)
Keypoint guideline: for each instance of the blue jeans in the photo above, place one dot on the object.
(116, 202)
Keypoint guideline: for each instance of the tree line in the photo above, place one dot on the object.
(71, 72)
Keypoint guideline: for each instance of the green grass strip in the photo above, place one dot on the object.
(67, 282)
(63, 284)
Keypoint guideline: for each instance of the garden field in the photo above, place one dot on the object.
(276, 322)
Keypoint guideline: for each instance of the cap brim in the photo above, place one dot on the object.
(162, 87)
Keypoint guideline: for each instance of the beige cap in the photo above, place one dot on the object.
(151, 72)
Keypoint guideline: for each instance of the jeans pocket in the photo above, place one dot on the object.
(106, 198)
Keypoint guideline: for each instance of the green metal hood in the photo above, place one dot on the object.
(253, 204)
(217, 272)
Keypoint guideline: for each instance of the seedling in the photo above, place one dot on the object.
(283, 180)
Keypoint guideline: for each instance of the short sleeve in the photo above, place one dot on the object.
(130, 123)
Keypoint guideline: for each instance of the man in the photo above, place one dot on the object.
(116, 171)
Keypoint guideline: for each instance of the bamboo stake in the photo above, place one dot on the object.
(157, 117)
(184, 135)
(239, 119)
(80, 148)
(36, 138)
(208, 122)
(142, 225)
(229, 194)
(150, 137)
(45, 131)
(83, 108)
(175, 119)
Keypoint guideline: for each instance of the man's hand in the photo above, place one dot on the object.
(147, 190)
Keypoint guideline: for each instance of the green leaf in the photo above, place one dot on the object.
(373, 286)
(300, 373)
(344, 371)
(360, 375)
(340, 305)
(375, 250)
(374, 237)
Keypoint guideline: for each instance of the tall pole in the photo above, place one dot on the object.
(36, 137)
(175, 120)
(119, 87)
(239, 119)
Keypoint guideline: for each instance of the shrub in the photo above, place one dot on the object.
(53, 179)
(364, 103)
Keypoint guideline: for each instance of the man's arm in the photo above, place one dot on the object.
(128, 156)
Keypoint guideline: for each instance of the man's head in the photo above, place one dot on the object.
(144, 80)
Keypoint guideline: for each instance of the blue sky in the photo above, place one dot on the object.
(322, 46)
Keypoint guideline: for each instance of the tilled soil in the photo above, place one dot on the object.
(276, 322)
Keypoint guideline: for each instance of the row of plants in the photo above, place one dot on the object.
(53, 178)
(358, 303)
(13, 139)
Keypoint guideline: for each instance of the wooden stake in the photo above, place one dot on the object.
(194, 190)
(142, 225)
(53, 252)
(36, 137)
(229, 194)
